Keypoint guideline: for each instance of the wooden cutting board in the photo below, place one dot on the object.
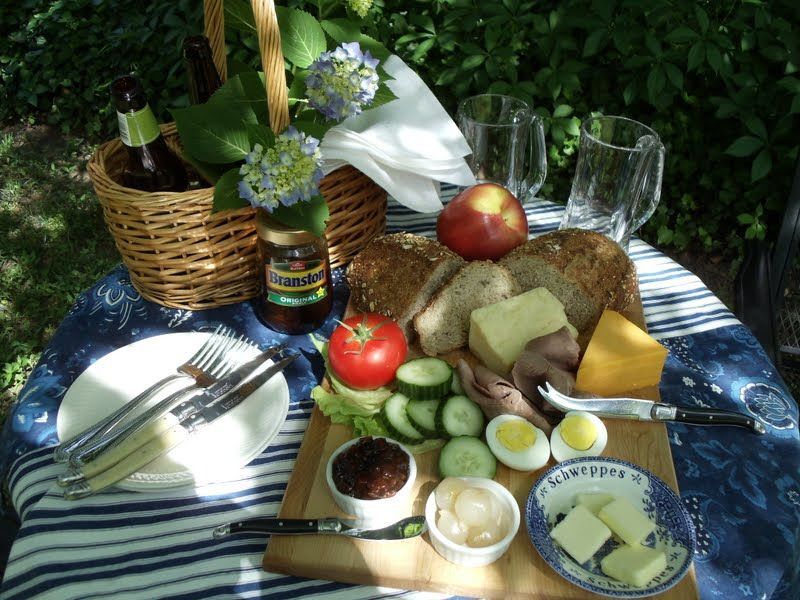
(414, 564)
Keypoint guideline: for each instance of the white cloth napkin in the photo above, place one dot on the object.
(407, 146)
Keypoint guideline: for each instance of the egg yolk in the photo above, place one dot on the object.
(516, 436)
(578, 432)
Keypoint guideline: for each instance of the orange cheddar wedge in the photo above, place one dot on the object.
(619, 357)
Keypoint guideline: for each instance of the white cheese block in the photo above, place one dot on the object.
(594, 501)
(626, 521)
(498, 332)
(635, 565)
(580, 534)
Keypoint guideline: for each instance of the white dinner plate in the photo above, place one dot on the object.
(215, 452)
(553, 496)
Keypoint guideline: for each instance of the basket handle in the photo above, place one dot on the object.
(269, 42)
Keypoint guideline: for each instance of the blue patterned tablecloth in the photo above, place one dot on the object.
(742, 490)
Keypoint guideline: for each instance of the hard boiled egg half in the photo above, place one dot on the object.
(579, 434)
(517, 443)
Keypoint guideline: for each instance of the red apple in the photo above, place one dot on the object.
(484, 222)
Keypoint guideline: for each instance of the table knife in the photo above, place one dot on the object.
(146, 445)
(647, 410)
(402, 530)
(177, 403)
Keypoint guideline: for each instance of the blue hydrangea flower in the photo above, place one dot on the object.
(342, 82)
(287, 173)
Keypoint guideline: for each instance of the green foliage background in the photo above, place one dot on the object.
(717, 79)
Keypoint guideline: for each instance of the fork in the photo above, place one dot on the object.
(227, 362)
(197, 368)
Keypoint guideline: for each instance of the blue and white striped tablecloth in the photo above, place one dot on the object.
(743, 492)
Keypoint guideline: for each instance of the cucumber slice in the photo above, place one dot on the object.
(395, 419)
(467, 456)
(424, 378)
(422, 414)
(458, 415)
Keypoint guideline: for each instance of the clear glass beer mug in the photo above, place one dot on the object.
(507, 142)
(617, 183)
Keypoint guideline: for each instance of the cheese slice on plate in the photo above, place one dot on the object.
(619, 357)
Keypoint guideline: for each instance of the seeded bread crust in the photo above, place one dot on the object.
(396, 275)
(443, 325)
(585, 270)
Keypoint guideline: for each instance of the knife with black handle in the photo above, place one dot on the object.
(402, 530)
(647, 410)
(145, 446)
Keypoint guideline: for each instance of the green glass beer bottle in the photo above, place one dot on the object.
(201, 72)
(151, 165)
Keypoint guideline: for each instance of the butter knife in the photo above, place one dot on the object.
(149, 443)
(402, 530)
(647, 410)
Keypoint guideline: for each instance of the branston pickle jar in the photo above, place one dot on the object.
(295, 277)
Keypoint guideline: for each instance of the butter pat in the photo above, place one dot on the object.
(634, 565)
(619, 357)
(626, 521)
(498, 332)
(580, 534)
(594, 502)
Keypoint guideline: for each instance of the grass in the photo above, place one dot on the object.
(54, 244)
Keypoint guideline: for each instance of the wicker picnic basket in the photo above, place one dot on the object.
(181, 255)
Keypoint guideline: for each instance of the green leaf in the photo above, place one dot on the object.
(310, 216)
(344, 30)
(714, 57)
(744, 146)
(260, 134)
(697, 53)
(795, 108)
(472, 62)
(762, 165)
(652, 44)
(562, 110)
(239, 16)
(745, 219)
(212, 134)
(595, 42)
(674, 75)
(681, 35)
(702, 18)
(656, 80)
(209, 171)
(629, 93)
(382, 96)
(573, 126)
(226, 192)
(756, 127)
(302, 37)
(315, 127)
(245, 95)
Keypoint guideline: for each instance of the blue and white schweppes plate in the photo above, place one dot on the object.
(554, 495)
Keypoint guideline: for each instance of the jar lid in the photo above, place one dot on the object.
(277, 233)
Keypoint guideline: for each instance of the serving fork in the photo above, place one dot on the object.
(204, 367)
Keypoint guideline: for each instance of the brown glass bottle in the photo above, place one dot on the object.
(201, 73)
(294, 276)
(151, 165)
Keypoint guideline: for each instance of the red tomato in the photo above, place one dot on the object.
(366, 349)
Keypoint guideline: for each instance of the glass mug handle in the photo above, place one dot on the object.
(537, 159)
(652, 167)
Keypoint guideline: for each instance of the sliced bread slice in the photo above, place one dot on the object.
(587, 271)
(443, 325)
(397, 274)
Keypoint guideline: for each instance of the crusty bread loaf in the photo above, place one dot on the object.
(586, 270)
(443, 325)
(397, 274)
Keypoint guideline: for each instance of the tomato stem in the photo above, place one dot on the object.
(362, 334)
